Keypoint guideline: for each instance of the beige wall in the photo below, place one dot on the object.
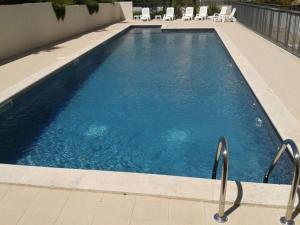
(126, 10)
(27, 26)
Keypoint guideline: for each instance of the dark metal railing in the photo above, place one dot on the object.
(288, 218)
(222, 150)
(279, 25)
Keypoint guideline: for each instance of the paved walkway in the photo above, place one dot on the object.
(22, 205)
(280, 69)
(17, 70)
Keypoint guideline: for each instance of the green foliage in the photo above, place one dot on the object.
(179, 5)
(186, 3)
(161, 13)
(196, 6)
(59, 10)
(107, 1)
(59, 7)
(136, 13)
(213, 9)
(8, 2)
(93, 6)
(64, 2)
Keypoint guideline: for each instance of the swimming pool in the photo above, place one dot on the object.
(148, 101)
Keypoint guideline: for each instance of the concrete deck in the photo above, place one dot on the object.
(21, 205)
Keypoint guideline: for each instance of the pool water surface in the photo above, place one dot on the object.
(147, 101)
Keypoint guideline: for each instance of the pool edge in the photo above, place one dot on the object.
(198, 189)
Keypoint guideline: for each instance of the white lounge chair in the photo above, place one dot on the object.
(229, 18)
(189, 14)
(216, 15)
(145, 14)
(169, 14)
(202, 13)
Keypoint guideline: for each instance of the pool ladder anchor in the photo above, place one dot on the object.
(222, 150)
(290, 146)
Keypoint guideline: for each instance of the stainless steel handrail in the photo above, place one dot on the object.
(222, 150)
(288, 218)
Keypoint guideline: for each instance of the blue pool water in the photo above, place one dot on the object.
(148, 101)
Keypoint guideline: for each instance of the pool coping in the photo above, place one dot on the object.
(152, 184)
(188, 188)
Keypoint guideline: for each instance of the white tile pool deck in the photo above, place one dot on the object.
(272, 73)
(22, 205)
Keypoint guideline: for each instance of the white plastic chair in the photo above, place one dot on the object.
(229, 18)
(169, 14)
(145, 14)
(219, 16)
(189, 14)
(202, 13)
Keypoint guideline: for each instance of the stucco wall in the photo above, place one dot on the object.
(126, 10)
(27, 26)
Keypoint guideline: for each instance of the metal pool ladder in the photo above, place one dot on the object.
(288, 218)
(221, 150)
